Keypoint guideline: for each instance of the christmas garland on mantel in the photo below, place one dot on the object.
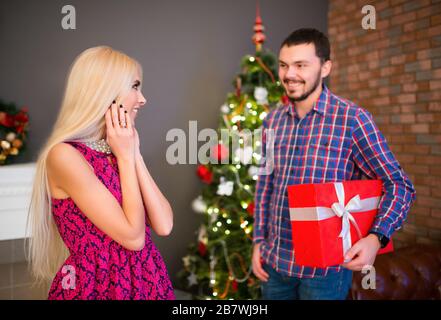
(14, 124)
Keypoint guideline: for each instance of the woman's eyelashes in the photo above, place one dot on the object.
(136, 85)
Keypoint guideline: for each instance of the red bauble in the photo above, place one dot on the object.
(250, 208)
(202, 248)
(20, 129)
(219, 152)
(204, 174)
(22, 117)
(6, 120)
(234, 285)
(285, 99)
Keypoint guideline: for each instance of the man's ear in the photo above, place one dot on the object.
(326, 68)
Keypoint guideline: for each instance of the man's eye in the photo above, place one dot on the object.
(135, 86)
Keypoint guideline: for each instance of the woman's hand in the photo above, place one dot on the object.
(137, 144)
(120, 133)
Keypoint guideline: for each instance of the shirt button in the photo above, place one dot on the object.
(297, 148)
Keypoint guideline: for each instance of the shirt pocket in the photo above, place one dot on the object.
(326, 152)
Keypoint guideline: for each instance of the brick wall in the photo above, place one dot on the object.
(394, 72)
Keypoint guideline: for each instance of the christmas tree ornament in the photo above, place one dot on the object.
(213, 262)
(192, 279)
(234, 285)
(261, 95)
(5, 144)
(225, 187)
(202, 240)
(204, 174)
(225, 109)
(250, 209)
(202, 235)
(219, 153)
(213, 217)
(285, 99)
(186, 261)
(17, 143)
(199, 205)
(202, 248)
(259, 36)
(245, 155)
(10, 136)
(253, 171)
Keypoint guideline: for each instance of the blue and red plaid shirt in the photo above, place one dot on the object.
(336, 141)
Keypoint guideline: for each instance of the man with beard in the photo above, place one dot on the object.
(319, 137)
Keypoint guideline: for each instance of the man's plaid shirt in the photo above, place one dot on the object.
(336, 141)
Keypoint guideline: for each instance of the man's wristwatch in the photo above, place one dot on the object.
(382, 238)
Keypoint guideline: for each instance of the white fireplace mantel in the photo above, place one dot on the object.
(15, 194)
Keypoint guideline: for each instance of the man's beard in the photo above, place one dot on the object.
(308, 93)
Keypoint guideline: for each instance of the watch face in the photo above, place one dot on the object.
(384, 241)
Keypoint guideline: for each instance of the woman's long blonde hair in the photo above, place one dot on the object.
(98, 76)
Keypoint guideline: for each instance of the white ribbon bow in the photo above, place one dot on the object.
(344, 212)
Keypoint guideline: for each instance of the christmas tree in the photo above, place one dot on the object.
(218, 266)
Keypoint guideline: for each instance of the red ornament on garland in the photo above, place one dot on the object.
(6, 120)
(204, 174)
(22, 116)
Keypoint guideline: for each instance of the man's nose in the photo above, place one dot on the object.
(291, 72)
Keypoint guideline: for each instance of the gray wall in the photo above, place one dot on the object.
(190, 51)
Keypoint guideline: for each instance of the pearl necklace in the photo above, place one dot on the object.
(100, 146)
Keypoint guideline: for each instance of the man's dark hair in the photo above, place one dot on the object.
(309, 35)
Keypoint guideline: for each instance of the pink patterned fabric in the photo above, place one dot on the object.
(98, 267)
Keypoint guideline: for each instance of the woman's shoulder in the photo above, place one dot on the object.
(65, 156)
(61, 151)
(63, 163)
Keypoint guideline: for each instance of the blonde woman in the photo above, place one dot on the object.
(94, 193)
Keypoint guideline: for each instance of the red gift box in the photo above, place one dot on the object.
(328, 218)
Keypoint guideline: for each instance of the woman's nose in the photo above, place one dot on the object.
(142, 99)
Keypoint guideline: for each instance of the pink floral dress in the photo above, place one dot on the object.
(98, 267)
